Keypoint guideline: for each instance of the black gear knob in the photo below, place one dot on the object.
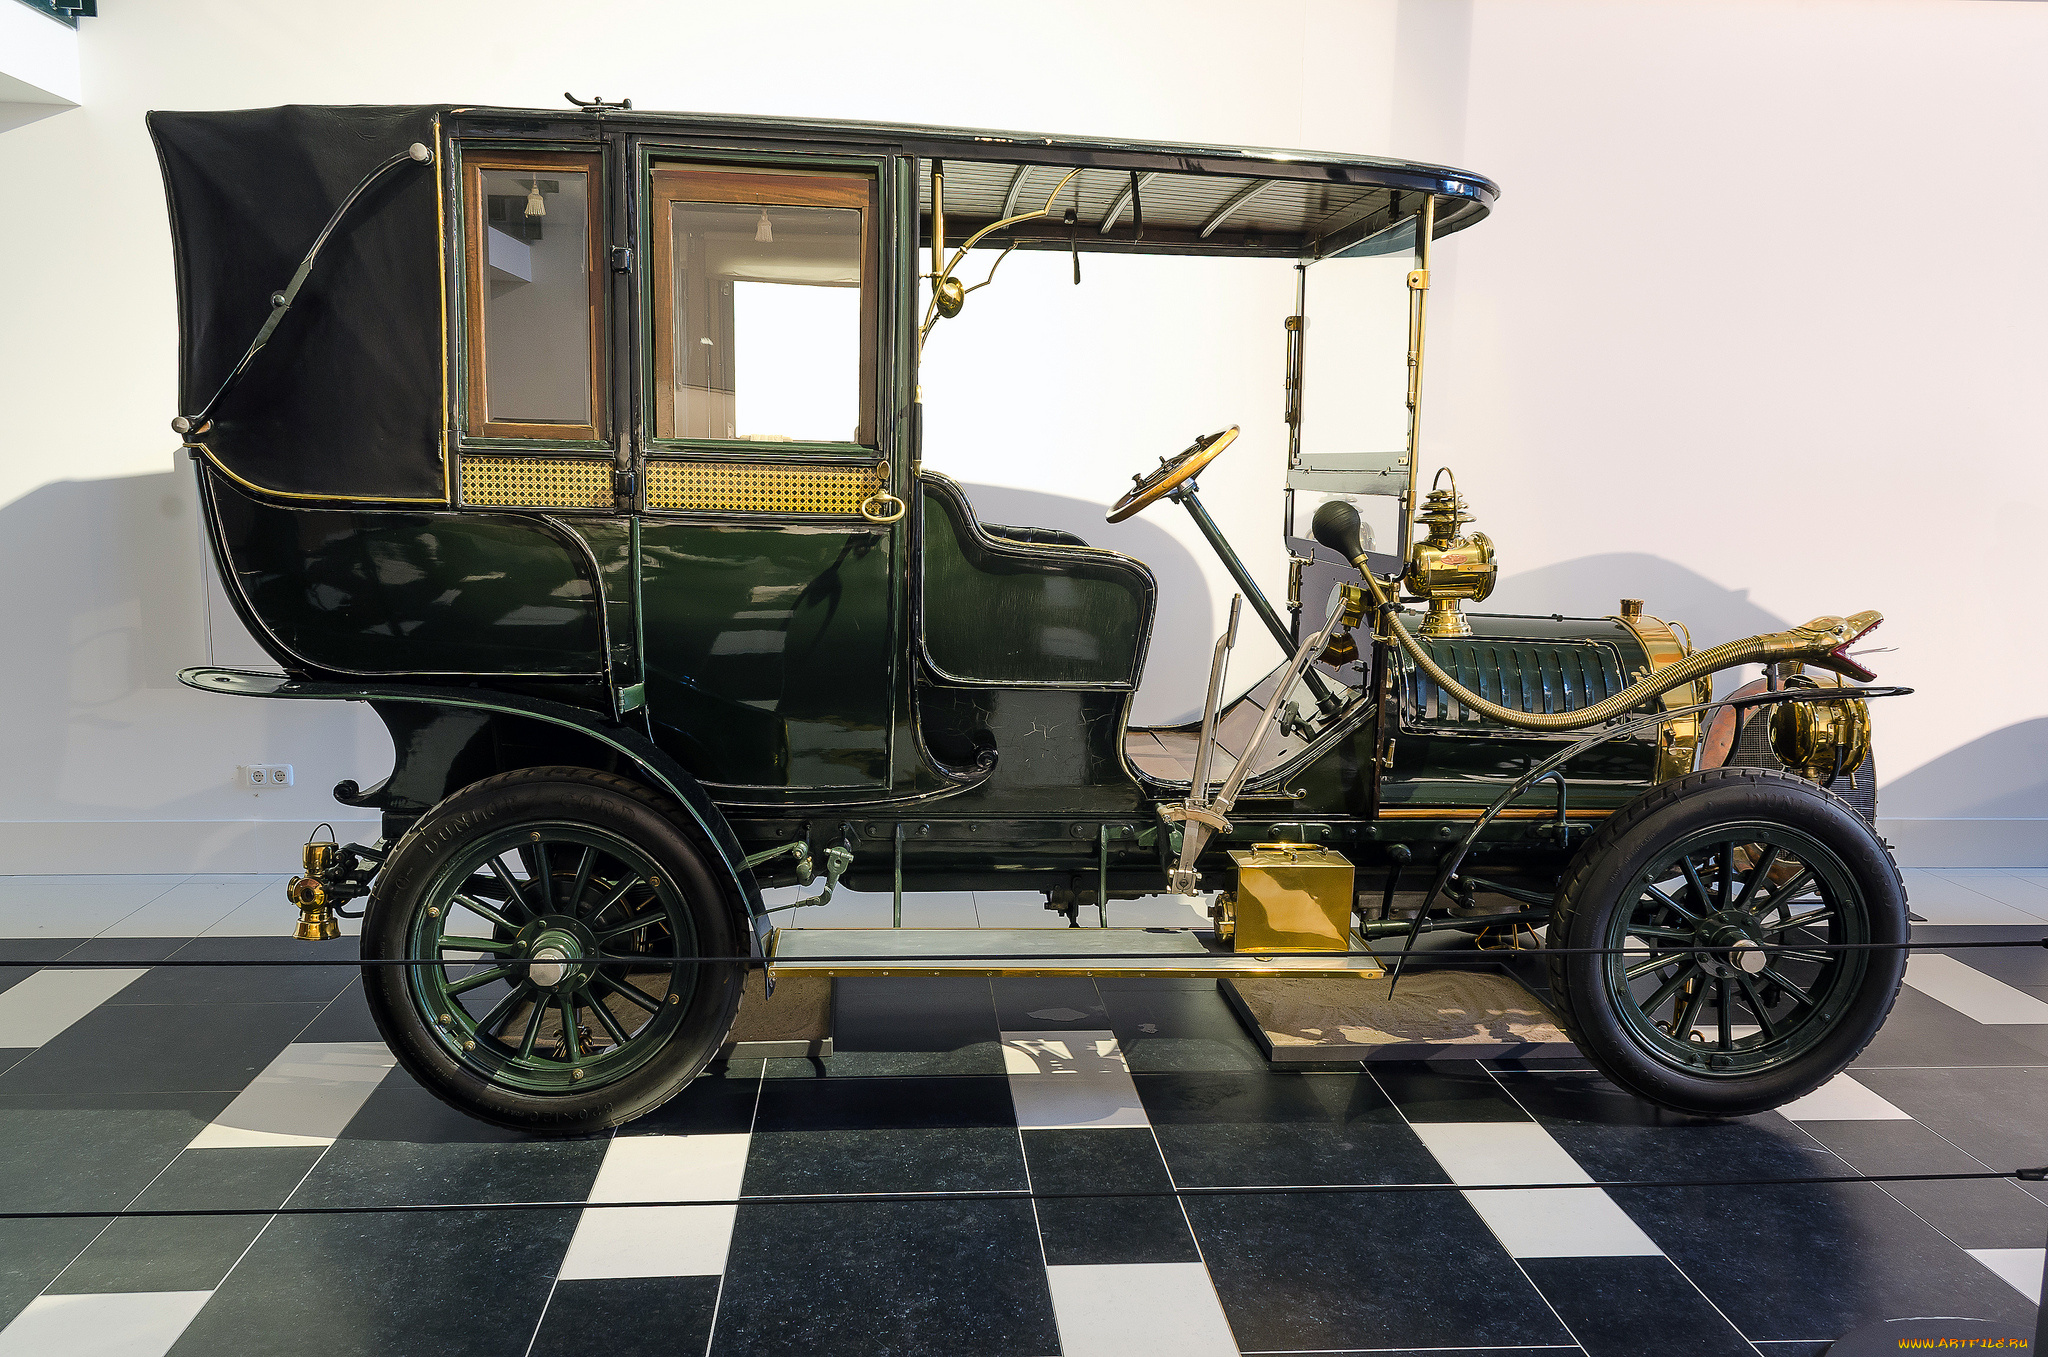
(1338, 527)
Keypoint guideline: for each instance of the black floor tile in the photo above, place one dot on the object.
(123, 950)
(1923, 1031)
(1236, 1128)
(1047, 1003)
(884, 1135)
(2024, 966)
(11, 1056)
(1335, 1272)
(1106, 1229)
(962, 1278)
(190, 1253)
(80, 1152)
(2000, 1116)
(345, 1018)
(1579, 1096)
(317, 1286)
(893, 1026)
(1445, 1090)
(37, 951)
(720, 1101)
(128, 1048)
(628, 1317)
(407, 1147)
(1975, 1215)
(1166, 1025)
(34, 1251)
(1809, 1347)
(1621, 1307)
(247, 984)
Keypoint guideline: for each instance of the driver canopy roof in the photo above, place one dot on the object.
(347, 401)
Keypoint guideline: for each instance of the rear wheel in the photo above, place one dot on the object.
(1737, 861)
(543, 900)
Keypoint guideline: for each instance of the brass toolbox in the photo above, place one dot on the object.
(1291, 897)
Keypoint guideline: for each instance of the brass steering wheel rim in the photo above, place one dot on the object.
(1171, 474)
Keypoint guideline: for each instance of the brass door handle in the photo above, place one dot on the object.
(872, 508)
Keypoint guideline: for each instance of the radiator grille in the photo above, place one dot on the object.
(551, 482)
(1531, 676)
(760, 487)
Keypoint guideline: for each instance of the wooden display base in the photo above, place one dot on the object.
(1461, 1014)
(796, 1022)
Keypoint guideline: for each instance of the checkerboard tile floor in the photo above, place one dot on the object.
(152, 1087)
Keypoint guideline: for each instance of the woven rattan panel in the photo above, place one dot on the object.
(550, 481)
(760, 487)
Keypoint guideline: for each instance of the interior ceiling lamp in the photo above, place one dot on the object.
(764, 230)
(535, 207)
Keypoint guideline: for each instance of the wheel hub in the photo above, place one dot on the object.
(1735, 932)
(551, 952)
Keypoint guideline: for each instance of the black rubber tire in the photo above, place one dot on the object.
(578, 795)
(1627, 844)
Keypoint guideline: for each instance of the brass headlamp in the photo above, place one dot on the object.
(1821, 740)
(1446, 567)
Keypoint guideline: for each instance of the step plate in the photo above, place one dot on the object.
(1131, 952)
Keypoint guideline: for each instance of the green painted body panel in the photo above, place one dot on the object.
(395, 592)
(768, 651)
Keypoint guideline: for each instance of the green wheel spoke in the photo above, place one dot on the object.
(631, 881)
(1806, 920)
(1641, 969)
(484, 911)
(1724, 886)
(571, 1047)
(1756, 1006)
(450, 942)
(1782, 898)
(611, 1024)
(513, 895)
(1670, 987)
(1721, 1013)
(1702, 899)
(1671, 904)
(632, 925)
(574, 904)
(532, 1031)
(1777, 977)
(1684, 935)
(1681, 1029)
(629, 993)
(543, 878)
(488, 1023)
(476, 981)
(1758, 874)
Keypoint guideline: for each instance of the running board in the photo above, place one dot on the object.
(1130, 952)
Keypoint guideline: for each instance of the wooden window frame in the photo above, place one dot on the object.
(768, 186)
(477, 422)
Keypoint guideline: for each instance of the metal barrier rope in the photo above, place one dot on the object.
(2033, 1175)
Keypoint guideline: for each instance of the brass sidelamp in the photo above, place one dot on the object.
(309, 892)
(1447, 567)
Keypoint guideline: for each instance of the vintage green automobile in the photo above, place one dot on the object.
(586, 447)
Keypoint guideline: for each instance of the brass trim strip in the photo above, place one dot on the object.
(1474, 812)
(550, 482)
(762, 487)
(220, 466)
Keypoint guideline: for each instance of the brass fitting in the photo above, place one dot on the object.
(1821, 740)
(1445, 566)
(316, 911)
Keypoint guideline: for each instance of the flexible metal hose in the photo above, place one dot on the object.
(1818, 642)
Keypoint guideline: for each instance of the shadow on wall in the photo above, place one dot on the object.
(2000, 776)
(1593, 586)
(1176, 665)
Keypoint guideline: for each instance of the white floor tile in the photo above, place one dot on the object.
(2019, 1268)
(1534, 1224)
(191, 907)
(44, 1004)
(1139, 1310)
(660, 1241)
(1971, 992)
(1940, 900)
(1842, 1099)
(304, 1097)
(108, 1324)
(73, 906)
(1070, 1080)
(1020, 909)
(2006, 886)
(871, 909)
(1160, 911)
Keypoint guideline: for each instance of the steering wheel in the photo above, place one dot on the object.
(1171, 474)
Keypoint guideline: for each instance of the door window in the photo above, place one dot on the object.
(764, 306)
(535, 356)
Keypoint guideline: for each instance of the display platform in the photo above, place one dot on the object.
(1429, 1015)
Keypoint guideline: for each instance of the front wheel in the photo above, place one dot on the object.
(1740, 862)
(543, 902)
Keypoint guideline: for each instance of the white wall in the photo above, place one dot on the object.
(1757, 319)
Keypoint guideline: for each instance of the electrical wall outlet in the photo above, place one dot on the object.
(264, 777)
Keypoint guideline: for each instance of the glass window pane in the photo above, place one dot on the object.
(536, 303)
(767, 322)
